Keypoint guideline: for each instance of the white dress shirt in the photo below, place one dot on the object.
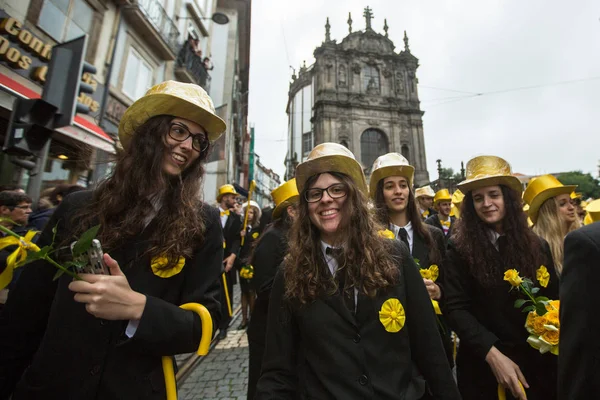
(223, 217)
(409, 233)
(333, 265)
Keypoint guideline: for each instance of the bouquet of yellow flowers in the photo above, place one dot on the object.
(542, 321)
(247, 272)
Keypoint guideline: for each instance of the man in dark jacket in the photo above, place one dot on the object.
(579, 350)
(442, 220)
(232, 226)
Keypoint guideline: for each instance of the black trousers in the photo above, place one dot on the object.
(226, 318)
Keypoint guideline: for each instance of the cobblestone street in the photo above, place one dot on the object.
(223, 373)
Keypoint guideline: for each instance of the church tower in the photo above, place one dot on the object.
(359, 93)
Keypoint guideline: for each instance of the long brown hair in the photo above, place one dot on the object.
(122, 203)
(549, 225)
(414, 217)
(366, 259)
(471, 240)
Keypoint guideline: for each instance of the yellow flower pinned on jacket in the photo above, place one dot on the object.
(254, 235)
(392, 315)
(431, 273)
(158, 263)
(543, 276)
(386, 233)
(247, 272)
(512, 276)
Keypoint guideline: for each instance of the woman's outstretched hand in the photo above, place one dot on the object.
(109, 296)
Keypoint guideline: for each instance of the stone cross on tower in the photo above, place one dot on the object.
(327, 31)
(368, 14)
(349, 23)
(406, 48)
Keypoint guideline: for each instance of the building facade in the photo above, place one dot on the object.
(359, 93)
(266, 180)
(134, 44)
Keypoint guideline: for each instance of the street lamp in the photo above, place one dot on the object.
(218, 18)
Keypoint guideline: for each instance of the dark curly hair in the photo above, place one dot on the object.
(366, 259)
(414, 217)
(123, 202)
(471, 233)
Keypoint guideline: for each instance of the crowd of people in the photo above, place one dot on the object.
(350, 287)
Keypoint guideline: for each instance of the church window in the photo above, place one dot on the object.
(307, 142)
(373, 143)
(370, 79)
(405, 152)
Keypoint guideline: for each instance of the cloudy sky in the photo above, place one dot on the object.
(521, 79)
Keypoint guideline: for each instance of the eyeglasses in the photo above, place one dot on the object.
(180, 133)
(335, 191)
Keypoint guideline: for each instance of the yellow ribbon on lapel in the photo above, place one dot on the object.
(17, 257)
(158, 263)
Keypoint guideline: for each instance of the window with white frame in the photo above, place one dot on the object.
(66, 19)
(138, 75)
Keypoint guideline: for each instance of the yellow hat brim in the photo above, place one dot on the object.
(544, 195)
(508, 180)
(406, 171)
(443, 199)
(331, 163)
(167, 104)
(283, 205)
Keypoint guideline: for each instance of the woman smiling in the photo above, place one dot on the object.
(349, 317)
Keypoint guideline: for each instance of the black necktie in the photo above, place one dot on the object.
(347, 295)
(502, 244)
(403, 235)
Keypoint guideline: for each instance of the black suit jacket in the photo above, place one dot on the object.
(434, 220)
(484, 317)
(579, 350)
(321, 351)
(233, 240)
(74, 355)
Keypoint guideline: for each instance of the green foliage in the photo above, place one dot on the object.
(85, 241)
(586, 183)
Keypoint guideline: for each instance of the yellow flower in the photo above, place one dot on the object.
(254, 235)
(387, 234)
(18, 256)
(553, 305)
(538, 324)
(435, 272)
(512, 277)
(552, 318)
(551, 337)
(392, 315)
(530, 321)
(425, 273)
(247, 272)
(543, 276)
(158, 263)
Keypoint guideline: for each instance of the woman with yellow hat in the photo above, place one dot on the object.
(244, 265)
(103, 336)
(349, 317)
(268, 254)
(552, 213)
(391, 190)
(490, 238)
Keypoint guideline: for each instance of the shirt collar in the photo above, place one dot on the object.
(408, 228)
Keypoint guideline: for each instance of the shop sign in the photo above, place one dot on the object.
(28, 56)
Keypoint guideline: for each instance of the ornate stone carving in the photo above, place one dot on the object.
(387, 73)
(400, 85)
(356, 68)
(342, 76)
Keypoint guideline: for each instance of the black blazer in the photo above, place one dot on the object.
(233, 240)
(434, 220)
(579, 350)
(71, 354)
(484, 317)
(321, 351)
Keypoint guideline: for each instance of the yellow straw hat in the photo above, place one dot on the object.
(284, 195)
(485, 171)
(425, 191)
(593, 212)
(183, 100)
(226, 189)
(541, 189)
(390, 164)
(442, 195)
(331, 157)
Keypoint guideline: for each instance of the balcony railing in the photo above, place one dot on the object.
(159, 18)
(192, 62)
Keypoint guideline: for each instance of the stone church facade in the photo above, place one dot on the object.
(359, 93)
